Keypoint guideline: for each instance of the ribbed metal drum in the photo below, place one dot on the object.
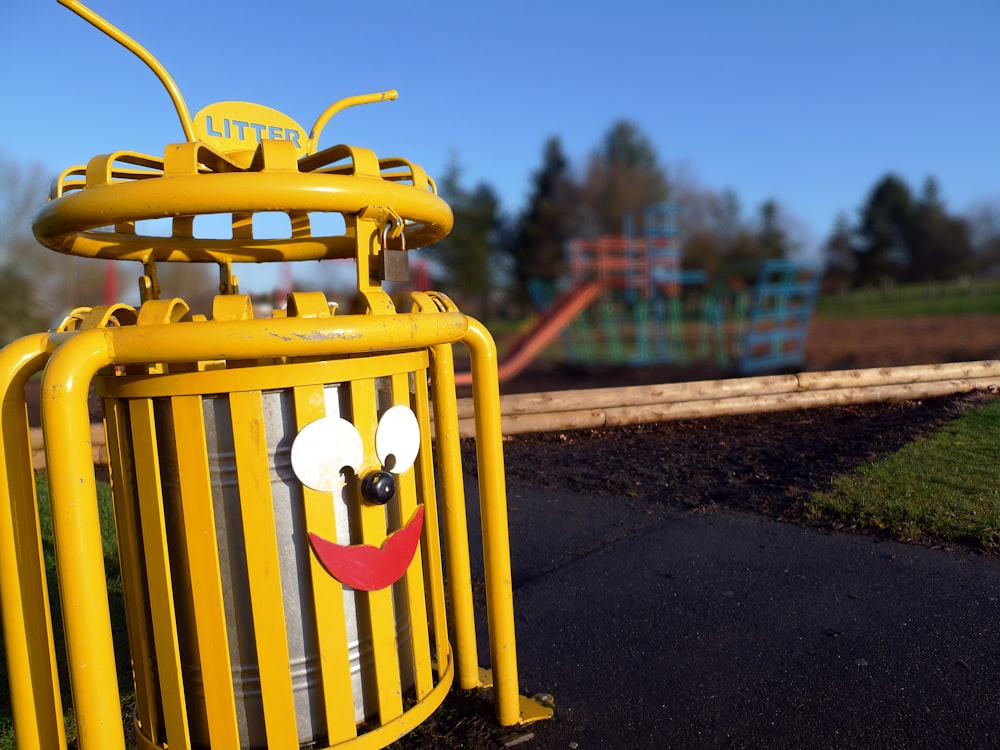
(293, 551)
(222, 421)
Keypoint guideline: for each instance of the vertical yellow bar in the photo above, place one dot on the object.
(328, 592)
(137, 616)
(372, 525)
(198, 524)
(431, 542)
(493, 507)
(27, 625)
(454, 520)
(77, 533)
(161, 596)
(413, 580)
(263, 568)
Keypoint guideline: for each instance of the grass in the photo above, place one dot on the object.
(114, 584)
(944, 487)
(976, 297)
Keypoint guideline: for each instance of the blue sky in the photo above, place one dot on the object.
(808, 103)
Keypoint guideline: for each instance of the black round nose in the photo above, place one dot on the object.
(378, 487)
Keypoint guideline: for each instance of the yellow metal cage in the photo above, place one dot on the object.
(234, 512)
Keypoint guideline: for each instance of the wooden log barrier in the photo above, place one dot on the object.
(618, 407)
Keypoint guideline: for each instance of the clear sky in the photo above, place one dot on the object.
(802, 101)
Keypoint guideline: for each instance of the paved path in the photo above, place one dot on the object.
(654, 629)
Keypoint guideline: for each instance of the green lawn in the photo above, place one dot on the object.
(902, 300)
(946, 486)
(114, 582)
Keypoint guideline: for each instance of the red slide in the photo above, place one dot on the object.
(556, 317)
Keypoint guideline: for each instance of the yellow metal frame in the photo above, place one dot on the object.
(27, 620)
(160, 357)
(117, 190)
(71, 362)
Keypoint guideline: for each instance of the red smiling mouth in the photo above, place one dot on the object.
(367, 568)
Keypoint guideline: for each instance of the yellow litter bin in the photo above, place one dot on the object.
(298, 535)
(288, 491)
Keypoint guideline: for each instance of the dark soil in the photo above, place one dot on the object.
(757, 463)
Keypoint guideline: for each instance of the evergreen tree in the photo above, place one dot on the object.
(940, 247)
(772, 240)
(884, 232)
(900, 237)
(839, 255)
(984, 234)
(930, 194)
(469, 257)
(730, 218)
(539, 239)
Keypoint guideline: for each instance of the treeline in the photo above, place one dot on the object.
(898, 236)
(902, 237)
(490, 255)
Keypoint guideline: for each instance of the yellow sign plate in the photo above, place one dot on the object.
(240, 126)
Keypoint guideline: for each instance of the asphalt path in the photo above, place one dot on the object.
(657, 629)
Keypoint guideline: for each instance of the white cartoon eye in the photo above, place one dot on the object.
(397, 439)
(322, 450)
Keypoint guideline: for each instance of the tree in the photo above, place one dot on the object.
(884, 232)
(22, 191)
(470, 257)
(730, 221)
(839, 255)
(708, 222)
(771, 237)
(539, 238)
(984, 235)
(940, 247)
(702, 222)
(910, 239)
(624, 175)
(930, 194)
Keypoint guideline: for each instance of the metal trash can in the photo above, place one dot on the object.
(271, 600)
(290, 525)
(229, 426)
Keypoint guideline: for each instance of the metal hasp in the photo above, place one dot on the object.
(288, 492)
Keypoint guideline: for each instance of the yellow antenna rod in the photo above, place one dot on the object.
(350, 101)
(130, 44)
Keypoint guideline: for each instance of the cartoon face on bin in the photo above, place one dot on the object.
(320, 453)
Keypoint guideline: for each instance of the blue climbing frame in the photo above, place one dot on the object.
(782, 307)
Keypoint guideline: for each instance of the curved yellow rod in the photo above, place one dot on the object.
(339, 106)
(130, 44)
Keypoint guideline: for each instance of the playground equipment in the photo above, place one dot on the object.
(557, 315)
(293, 548)
(628, 301)
(784, 298)
(621, 304)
